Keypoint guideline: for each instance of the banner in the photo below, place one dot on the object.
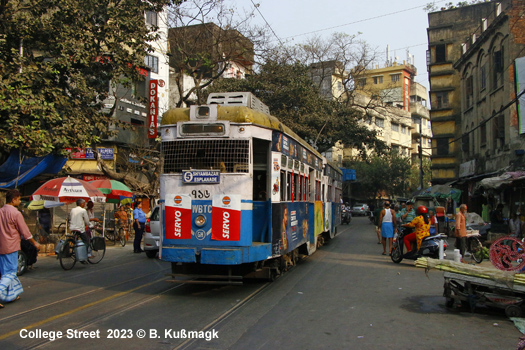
(226, 218)
(177, 220)
(153, 108)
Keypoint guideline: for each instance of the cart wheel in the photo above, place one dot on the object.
(513, 311)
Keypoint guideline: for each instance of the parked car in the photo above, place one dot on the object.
(152, 233)
(360, 209)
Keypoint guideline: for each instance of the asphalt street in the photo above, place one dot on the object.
(346, 296)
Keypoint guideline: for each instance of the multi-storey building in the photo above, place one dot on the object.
(490, 134)
(394, 86)
(392, 123)
(447, 30)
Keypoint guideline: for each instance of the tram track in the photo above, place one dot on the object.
(127, 307)
(76, 296)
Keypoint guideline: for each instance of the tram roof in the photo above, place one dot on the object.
(238, 114)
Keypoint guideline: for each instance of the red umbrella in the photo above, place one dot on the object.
(68, 190)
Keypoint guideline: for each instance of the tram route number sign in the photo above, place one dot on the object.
(201, 176)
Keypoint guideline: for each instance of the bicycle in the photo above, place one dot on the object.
(68, 256)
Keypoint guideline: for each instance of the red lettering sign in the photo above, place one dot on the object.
(178, 223)
(153, 105)
(226, 218)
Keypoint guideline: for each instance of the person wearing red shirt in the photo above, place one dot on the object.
(12, 226)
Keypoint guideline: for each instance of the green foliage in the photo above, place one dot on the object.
(290, 94)
(57, 59)
(380, 176)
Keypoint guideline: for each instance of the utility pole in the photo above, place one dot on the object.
(421, 152)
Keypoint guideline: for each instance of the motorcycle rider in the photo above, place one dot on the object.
(421, 223)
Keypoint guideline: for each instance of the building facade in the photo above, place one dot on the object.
(447, 30)
(491, 138)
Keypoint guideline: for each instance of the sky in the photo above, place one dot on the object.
(401, 24)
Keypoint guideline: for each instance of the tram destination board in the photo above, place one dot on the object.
(201, 176)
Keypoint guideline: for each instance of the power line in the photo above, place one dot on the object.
(265, 21)
(361, 20)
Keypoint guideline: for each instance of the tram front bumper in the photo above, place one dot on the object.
(218, 256)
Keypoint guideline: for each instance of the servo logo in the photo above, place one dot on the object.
(177, 199)
(226, 200)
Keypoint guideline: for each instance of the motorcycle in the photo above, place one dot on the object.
(346, 216)
(429, 246)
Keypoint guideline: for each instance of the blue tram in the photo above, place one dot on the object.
(241, 193)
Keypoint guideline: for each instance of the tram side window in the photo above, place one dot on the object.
(283, 186)
(303, 183)
(323, 193)
(329, 196)
(317, 190)
(289, 185)
(297, 185)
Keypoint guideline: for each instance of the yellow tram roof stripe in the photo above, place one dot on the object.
(238, 114)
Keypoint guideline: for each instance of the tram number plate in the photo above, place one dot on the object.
(201, 176)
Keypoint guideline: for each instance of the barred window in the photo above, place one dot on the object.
(228, 156)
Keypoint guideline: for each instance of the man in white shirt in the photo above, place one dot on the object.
(78, 220)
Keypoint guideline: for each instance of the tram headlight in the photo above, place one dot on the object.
(200, 220)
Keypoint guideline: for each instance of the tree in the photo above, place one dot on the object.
(294, 99)
(381, 176)
(57, 61)
(206, 41)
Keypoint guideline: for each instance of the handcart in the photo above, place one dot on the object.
(471, 291)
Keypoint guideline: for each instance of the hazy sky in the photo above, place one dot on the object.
(398, 23)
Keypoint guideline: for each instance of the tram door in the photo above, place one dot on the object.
(261, 194)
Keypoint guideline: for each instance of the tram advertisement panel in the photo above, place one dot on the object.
(319, 219)
(276, 173)
(226, 218)
(289, 226)
(177, 218)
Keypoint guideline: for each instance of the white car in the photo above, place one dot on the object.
(152, 233)
(360, 209)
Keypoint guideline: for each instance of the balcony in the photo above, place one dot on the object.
(419, 110)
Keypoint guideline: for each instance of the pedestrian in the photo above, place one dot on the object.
(79, 222)
(409, 213)
(139, 223)
(398, 214)
(92, 219)
(387, 221)
(460, 229)
(515, 225)
(433, 222)
(377, 213)
(12, 226)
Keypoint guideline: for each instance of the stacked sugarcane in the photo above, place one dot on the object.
(471, 270)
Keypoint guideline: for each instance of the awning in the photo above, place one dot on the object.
(442, 191)
(504, 179)
(18, 169)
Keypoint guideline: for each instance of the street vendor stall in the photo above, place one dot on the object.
(471, 286)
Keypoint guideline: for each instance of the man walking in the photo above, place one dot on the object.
(12, 226)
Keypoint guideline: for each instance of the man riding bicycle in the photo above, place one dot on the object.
(78, 221)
